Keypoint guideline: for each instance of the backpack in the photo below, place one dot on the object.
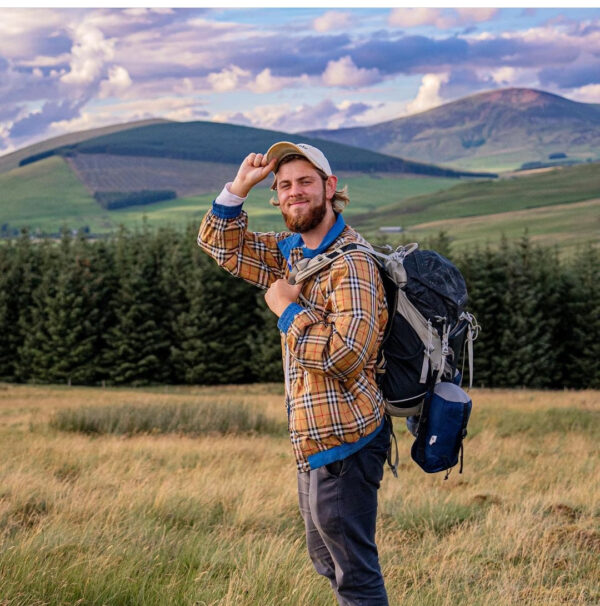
(427, 331)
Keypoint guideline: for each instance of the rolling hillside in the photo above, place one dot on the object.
(12, 160)
(228, 144)
(558, 207)
(148, 164)
(498, 130)
(47, 194)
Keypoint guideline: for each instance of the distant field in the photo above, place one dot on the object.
(503, 206)
(205, 517)
(557, 207)
(47, 195)
(563, 225)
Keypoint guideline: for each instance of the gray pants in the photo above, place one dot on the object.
(339, 505)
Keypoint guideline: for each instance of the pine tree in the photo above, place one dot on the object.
(524, 357)
(486, 277)
(581, 355)
(18, 277)
(137, 344)
(62, 344)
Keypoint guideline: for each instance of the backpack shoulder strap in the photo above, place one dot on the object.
(386, 257)
(307, 267)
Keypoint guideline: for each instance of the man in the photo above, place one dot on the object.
(332, 325)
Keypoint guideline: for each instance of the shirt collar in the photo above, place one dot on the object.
(295, 241)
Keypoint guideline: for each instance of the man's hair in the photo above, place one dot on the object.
(340, 198)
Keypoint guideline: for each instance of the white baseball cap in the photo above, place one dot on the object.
(312, 154)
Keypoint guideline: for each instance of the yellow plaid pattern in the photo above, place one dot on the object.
(333, 343)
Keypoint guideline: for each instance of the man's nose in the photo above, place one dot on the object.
(295, 189)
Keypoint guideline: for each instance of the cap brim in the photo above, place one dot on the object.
(281, 150)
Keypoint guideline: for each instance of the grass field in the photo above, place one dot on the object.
(558, 207)
(47, 194)
(209, 517)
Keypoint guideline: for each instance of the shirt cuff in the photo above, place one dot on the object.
(226, 198)
(288, 315)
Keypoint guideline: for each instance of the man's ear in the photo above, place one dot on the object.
(330, 187)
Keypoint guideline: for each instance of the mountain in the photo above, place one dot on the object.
(498, 130)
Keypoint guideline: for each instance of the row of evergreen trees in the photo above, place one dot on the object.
(150, 307)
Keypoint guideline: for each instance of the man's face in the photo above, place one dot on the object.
(302, 195)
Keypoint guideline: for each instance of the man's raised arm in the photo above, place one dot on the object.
(224, 233)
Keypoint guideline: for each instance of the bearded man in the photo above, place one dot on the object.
(332, 326)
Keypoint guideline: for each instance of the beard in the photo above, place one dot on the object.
(302, 223)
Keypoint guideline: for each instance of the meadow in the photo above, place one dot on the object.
(558, 208)
(174, 495)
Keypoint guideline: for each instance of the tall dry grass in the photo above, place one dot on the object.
(212, 519)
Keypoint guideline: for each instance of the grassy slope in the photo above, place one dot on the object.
(174, 519)
(10, 161)
(46, 195)
(496, 204)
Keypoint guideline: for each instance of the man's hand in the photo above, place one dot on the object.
(280, 295)
(253, 170)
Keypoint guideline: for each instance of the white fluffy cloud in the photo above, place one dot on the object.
(89, 54)
(266, 82)
(429, 93)
(332, 20)
(228, 79)
(117, 83)
(587, 94)
(289, 118)
(169, 107)
(345, 73)
(438, 17)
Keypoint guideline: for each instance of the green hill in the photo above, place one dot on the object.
(45, 196)
(560, 207)
(12, 160)
(227, 144)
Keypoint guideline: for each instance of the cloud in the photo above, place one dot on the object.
(344, 73)
(578, 76)
(266, 82)
(38, 121)
(332, 20)
(89, 54)
(117, 83)
(28, 32)
(228, 79)
(414, 17)
(504, 76)
(586, 94)
(440, 18)
(170, 107)
(284, 117)
(475, 15)
(428, 95)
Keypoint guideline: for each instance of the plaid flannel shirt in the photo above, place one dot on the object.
(330, 342)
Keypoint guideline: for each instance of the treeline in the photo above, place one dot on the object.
(150, 307)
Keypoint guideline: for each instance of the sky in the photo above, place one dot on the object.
(288, 69)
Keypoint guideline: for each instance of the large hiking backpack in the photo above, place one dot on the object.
(427, 331)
